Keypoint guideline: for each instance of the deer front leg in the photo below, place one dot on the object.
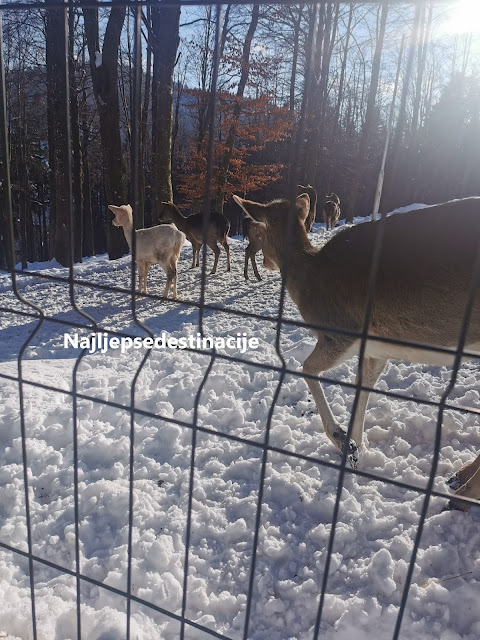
(171, 277)
(371, 370)
(463, 475)
(254, 266)
(328, 353)
(195, 254)
(141, 275)
(146, 269)
(175, 284)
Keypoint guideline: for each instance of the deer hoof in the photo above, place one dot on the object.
(452, 505)
(448, 507)
(454, 482)
(352, 449)
(352, 455)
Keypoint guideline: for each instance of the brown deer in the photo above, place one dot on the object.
(251, 232)
(331, 210)
(254, 239)
(421, 288)
(156, 245)
(312, 210)
(192, 227)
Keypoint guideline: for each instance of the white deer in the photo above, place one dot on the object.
(156, 245)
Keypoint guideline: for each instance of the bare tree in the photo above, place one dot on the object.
(164, 39)
(244, 73)
(104, 71)
(369, 114)
(57, 96)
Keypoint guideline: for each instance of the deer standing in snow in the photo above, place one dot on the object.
(420, 295)
(254, 238)
(156, 245)
(192, 227)
(331, 210)
(312, 209)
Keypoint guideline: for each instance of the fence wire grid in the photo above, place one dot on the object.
(32, 311)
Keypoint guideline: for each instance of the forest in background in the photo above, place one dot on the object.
(356, 51)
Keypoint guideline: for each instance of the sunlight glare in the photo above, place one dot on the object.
(465, 17)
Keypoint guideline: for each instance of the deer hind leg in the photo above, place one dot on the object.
(371, 370)
(254, 265)
(198, 248)
(470, 488)
(171, 277)
(175, 283)
(214, 247)
(328, 353)
(224, 243)
(309, 222)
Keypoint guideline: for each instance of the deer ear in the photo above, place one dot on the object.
(302, 205)
(114, 209)
(253, 210)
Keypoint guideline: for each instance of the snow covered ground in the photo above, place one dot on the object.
(377, 522)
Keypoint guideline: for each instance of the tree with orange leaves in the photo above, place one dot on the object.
(260, 125)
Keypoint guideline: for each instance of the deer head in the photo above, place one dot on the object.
(272, 224)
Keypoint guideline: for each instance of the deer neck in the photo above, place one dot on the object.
(128, 233)
(298, 266)
(179, 220)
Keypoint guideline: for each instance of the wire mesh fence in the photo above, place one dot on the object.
(265, 449)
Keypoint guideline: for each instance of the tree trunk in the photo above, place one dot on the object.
(144, 123)
(369, 117)
(165, 38)
(56, 61)
(230, 142)
(331, 26)
(104, 70)
(381, 174)
(391, 198)
(293, 74)
(336, 121)
(422, 58)
(88, 236)
(316, 43)
(77, 169)
(25, 210)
